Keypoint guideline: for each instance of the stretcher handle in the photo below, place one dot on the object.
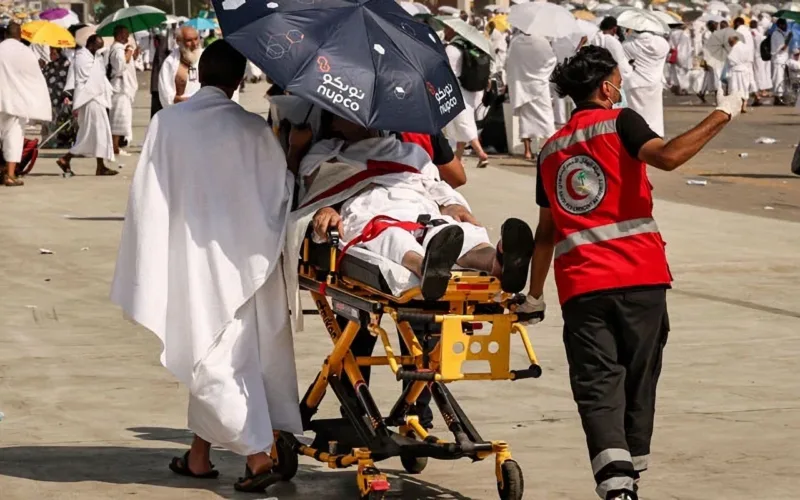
(522, 317)
(534, 371)
(333, 237)
(416, 317)
(416, 376)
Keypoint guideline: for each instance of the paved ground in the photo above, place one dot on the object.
(91, 415)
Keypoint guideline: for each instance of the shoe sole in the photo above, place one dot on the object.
(440, 257)
(518, 244)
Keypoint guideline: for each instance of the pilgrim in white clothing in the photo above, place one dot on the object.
(463, 127)
(91, 99)
(750, 52)
(530, 63)
(740, 66)
(199, 265)
(780, 54)
(124, 85)
(761, 68)
(678, 75)
(499, 44)
(643, 87)
(714, 67)
(23, 96)
(612, 44)
(172, 84)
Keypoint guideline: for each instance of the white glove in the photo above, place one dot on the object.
(532, 304)
(730, 104)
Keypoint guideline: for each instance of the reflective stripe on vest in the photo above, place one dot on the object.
(605, 233)
(580, 135)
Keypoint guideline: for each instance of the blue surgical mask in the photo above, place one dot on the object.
(623, 99)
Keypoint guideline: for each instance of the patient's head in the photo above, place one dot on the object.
(334, 126)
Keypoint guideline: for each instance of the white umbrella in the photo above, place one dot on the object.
(717, 6)
(468, 32)
(517, 2)
(414, 8)
(735, 9)
(603, 7)
(665, 18)
(587, 28)
(642, 20)
(543, 19)
(763, 7)
(502, 10)
(793, 6)
(711, 17)
(491, 7)
(68, 20)
(449, 10)
(84, 33)
(699, 2)
(717, 45)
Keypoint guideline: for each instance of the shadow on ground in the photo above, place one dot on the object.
(148, 466)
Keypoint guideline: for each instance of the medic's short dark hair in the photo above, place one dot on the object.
(580, 75)
(608, 23)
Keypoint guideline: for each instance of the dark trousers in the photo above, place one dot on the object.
(155, 104)
(364, 344)
(614, 343)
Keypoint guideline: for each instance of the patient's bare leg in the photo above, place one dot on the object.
(413, 262)
(482, 258)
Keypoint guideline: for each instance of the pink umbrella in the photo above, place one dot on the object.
(63, 17)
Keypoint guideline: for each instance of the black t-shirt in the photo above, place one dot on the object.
(442, 152)
(633, 131)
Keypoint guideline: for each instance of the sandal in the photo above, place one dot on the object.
(483, 163)
(442, 252)
(517, 240)
(180, 466)
(257, 483)
(9, 182)
(105, 171)
(65, 168)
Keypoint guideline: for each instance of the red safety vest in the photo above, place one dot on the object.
(602, 207)
(421, 140)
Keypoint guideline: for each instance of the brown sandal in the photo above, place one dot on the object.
(105, 171)
(65, 168)
(13, 182)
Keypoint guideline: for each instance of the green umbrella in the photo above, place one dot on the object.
(788, 14)
(137, 18)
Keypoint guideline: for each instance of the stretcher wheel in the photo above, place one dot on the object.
(513, 484)
(413, 465)
(287, 456)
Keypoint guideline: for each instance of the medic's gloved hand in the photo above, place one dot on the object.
(531, 305)
(730, 104)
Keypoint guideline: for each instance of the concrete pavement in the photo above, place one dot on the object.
(91, 414)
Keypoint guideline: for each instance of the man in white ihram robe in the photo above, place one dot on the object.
(200, 266)
(761, 68)
(643, 87)
(23, 97)
(739, 68)
(91, 99)
(530, 62)
(681, 42)
(177, 79)
(121, 59)
(779, 45)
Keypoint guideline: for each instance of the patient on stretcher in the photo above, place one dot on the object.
(404, 187)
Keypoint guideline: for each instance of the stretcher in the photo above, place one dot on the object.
(476, 321)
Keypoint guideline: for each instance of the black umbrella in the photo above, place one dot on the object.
(365, 60)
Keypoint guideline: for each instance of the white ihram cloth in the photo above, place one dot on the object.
(463, 127)
(166, 79)
(746, 39)
(199, 266)
(780, 55)
(124, 86)
(740, 66)
(644, 87)
(379, 165)
(613, 45)
(499, 44)
(23, 96)
(91, 98)
(529, 65)
(680, 40)
(761, 68)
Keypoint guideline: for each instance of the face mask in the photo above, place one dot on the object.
(623, 100)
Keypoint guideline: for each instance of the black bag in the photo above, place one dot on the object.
(766, 49)
(475, 66)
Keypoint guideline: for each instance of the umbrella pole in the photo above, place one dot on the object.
(41, 144)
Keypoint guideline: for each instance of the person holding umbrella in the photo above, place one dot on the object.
(611, 269)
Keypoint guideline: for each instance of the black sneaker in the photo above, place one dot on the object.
(621, 495)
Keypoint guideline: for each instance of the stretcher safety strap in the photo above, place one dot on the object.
(605, 233)
(614, 484)
(640, 463)
(580, 135)
(375, 227)
(609, 455)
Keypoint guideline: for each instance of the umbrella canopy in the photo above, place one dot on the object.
(137, 18)
(201, 23)
(47, 33)
(602, 8)
(717, 6)
(763, 7)
(587, 28)
(84, 33)
(642, 20)
(365, 60)
(415, 8)
(718, 46)
(789, 15)
(735, 9)
(502, 10)
(711, 17)
(691, 15)
(62, 17)
(793, 6)
(583, 14)
(452, 11)
(666, 18)
(491, 7)
(468, 32)
(543, 19)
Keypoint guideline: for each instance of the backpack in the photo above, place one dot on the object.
(766, 49)
(475, 66)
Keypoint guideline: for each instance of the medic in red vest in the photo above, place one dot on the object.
(596, 225)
